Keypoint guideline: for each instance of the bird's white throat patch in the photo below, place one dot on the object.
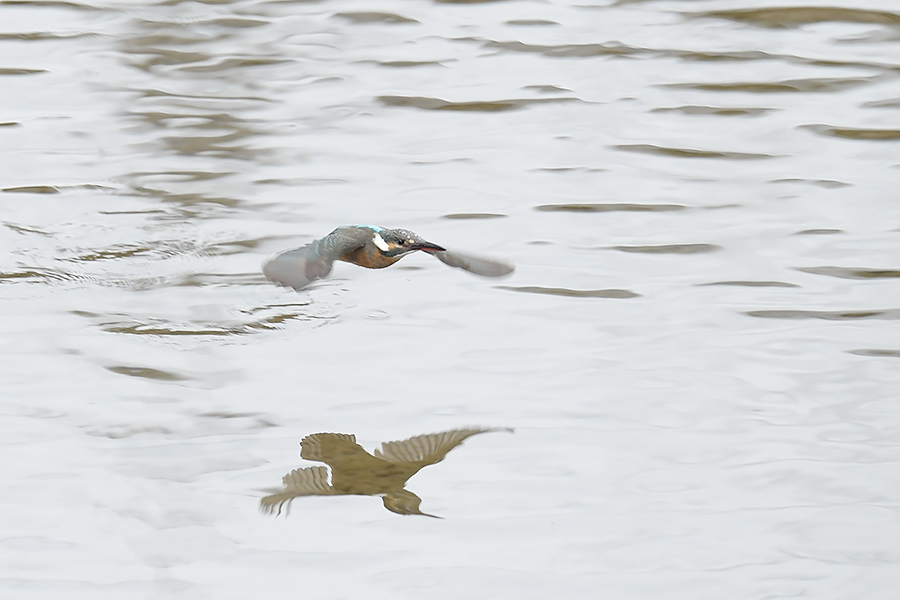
(380, 243)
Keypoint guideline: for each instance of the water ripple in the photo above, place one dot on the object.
(365, 18)
(691, 152)
(852, 133)
(876, 352)
(670, 249)
(718, 111)
(852, 273)
(806, 86)
(609, 207)
(570, 293)
(828, 315)
(424, 103)
(797, 16)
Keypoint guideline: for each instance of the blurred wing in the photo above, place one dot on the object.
(299, 267)
(474, 264)
(326, 447)
(310, 481)
(429, 449)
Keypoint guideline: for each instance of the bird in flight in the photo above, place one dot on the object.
(367, 246)
(356, 472)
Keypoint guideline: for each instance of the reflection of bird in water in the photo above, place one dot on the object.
(356, 472)
(367, 246)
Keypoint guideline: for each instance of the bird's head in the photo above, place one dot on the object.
(397, 242)
(404, 502)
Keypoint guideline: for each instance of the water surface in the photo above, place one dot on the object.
(698, 349)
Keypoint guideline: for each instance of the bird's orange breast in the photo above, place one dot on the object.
(370, 261)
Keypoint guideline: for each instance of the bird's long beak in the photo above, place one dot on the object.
(427, 247)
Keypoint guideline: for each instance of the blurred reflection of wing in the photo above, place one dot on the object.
(473, 264)
(428, 449)
(310, 481)
(326, 447)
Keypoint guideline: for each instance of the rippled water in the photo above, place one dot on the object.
(698, 350)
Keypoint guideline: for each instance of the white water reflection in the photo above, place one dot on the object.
(698, 349)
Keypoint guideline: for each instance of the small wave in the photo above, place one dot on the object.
(691, 152)
(570, 293)
(670, 249)
(828, 315)
(424, 103)
(365, 18)
(797, 16)
(852, 273)
(852, 133)
(603, 207)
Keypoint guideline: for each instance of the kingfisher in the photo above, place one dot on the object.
(370, 247)
(356, 472)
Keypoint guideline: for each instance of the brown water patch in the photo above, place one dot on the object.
(825, 183)
(21, 71)
(851, 133)
(362, 18)
(174, 330)
(715, 111)
(231, 64)
(53, 4)
(852, 273)
(609, 207)
(795, 16)
(147, 373)
(24, 230)
(237, 23)
(32, 189)
(12, 277)
(876, 352)
(819, 232)
(822, 84)
(670, 249)
(754, 283)
(404, 64)
(546, 89)
(569, 50)
(164, 328)
(494, 106)
(531, 22)
(40, 36)
(828, 315)
(567, 169)
(739, 56)
(892, 103)
(297, 181)
(690, 152)
(191, 101)
(474, 216)
(123, 251)
(569, 293)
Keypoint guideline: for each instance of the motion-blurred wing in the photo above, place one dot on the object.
(295, 269)
(429, 449)
(299, 267)
(328, 447)
(309, 481)
(474, 264)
